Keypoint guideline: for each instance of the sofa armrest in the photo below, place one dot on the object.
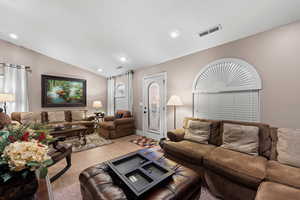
(109, 118)
(176, 135)
(121, 121)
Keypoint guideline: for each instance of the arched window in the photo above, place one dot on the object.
(227, 89)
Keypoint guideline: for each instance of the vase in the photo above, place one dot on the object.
(19, 188)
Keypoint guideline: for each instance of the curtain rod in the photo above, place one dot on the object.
(27, 68)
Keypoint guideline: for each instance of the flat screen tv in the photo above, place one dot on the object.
(63, 92)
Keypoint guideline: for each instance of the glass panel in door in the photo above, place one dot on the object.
(154, 107)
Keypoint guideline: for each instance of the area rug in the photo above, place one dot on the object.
(72, 192)
(145, 142)
(92, 141)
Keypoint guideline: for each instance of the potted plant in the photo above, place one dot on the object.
(23, 152)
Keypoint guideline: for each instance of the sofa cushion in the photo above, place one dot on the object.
(265, 141)
(284, 174)
(239, 167)
(215, 137)
(288, 148)
(197, 131)
(241, 138)
(276, 191)
(188, 151)
(30, 117)
(56, 116)
(78, 115)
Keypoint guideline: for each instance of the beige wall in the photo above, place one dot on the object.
(41, 64)
(276, 56)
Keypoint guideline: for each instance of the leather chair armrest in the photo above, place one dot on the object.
(124, 121)
(109, 118)
(107, 125)
(176, 135)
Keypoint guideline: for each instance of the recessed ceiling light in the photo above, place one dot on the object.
(13, 36)
(99, 70)
(174, 34)
(123, 59)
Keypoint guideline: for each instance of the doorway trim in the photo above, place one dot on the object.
(164, 114)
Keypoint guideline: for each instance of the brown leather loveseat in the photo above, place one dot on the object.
(120, 125)
(231, 174)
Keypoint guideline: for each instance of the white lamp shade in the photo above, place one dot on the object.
(174, 101)
(6, 97)
(97, 104)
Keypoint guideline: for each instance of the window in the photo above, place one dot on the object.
(227, 89)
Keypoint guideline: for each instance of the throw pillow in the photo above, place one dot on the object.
(119, 115)
(241, 138)
(197, 131)
(288, 148)
(30, 117)
(78, 115)
(56, 116)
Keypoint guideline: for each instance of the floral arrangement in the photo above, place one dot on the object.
(24, 148)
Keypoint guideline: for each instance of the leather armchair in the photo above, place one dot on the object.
(120, 125)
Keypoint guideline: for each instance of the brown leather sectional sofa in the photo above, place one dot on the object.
(59, 117)
(232, 175)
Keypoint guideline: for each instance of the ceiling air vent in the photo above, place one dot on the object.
(119, 67)
(211, 30)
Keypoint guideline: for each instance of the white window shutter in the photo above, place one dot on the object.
(227, 89)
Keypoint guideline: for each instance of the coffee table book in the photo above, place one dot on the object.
(139, 173)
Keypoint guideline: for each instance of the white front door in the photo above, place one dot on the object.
(154, 105)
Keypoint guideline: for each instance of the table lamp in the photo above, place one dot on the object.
(97, 105)
(174, 101)
(6, 97)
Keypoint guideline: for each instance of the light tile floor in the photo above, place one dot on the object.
(85, 159)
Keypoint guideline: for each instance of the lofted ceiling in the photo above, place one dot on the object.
(95, 34)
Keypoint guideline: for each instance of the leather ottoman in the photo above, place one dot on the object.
(98, 183)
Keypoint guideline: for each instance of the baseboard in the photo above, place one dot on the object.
(139, 132)
(142, 133)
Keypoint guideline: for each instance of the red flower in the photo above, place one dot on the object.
(25, 136)
(42, 137)
(11, 138)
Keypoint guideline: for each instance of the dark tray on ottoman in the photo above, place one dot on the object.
(139, 173)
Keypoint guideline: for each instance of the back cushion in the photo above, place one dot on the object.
(241, 138)
(197, 131)
(288, 148)
(56, 116)
(78, 115)
(215, 137)
(265, 142)
(30, 117)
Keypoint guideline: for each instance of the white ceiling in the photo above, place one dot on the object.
(93, 34)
